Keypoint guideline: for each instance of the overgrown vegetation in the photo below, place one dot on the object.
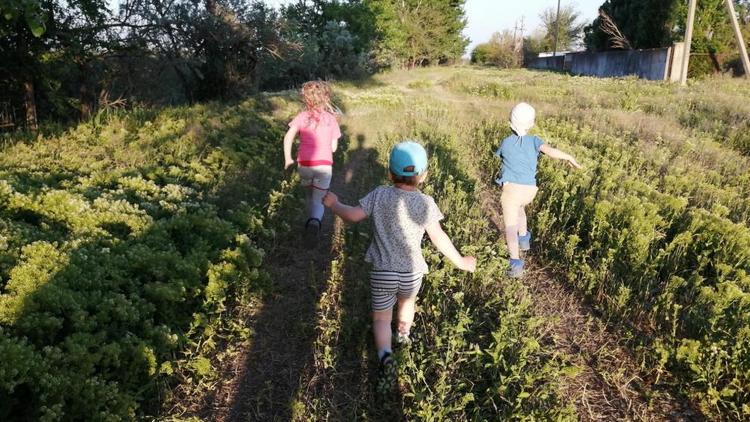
(130, 242)
(655, 232)
(125, 247)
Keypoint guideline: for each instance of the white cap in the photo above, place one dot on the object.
(522, 118)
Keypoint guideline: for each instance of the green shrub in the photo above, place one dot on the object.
(119, 256)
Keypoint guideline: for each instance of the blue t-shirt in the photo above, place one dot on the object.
(520, 155)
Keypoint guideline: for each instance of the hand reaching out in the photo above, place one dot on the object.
(330, 199)
(573, 163)
(288, 163)
(468, 263)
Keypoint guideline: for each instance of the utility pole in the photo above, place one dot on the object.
(518, 35)
(738, 35)
(688, 41)
(557, 28)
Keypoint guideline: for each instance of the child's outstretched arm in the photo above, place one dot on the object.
(445, 246)
(347, 213)
(559, 155)
(288, 141)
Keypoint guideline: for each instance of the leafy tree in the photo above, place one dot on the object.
(645, 23)
(332, 39)
(537, 42)
(51, 43)
(658, 23)
(68, 59)
(414, 32)
(29, 11)
(568, 27)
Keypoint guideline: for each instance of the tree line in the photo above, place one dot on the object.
(64, 60)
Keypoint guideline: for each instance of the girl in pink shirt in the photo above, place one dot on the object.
(319, 133)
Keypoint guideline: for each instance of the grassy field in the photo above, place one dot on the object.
(151, 268)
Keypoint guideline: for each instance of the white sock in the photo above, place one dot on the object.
(382, 352)
(315, 204)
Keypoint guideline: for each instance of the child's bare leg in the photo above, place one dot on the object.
(406, 314)
(522, 223)
(510, 220)
(512, 204)
(317, 209)
(381, 327)
(511, 238)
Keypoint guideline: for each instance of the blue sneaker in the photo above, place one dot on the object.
(524, 242)
(515, 269)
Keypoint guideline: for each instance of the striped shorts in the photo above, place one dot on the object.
(385, 286)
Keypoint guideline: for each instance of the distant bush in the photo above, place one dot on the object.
(502, 50)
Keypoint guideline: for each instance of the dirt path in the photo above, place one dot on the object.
(610, 384)
(267, 375)
(263, 381)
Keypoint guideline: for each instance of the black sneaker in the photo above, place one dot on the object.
(312, 232)
(388, 374)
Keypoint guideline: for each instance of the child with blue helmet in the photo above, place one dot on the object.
(520, 153)
(400, 214)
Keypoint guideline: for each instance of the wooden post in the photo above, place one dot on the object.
(29, 101)
(740, 39)
(557, 29)
(688, 41)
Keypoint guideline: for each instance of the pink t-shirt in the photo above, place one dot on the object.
(316, 131)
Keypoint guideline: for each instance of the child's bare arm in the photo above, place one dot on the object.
(347, 213)
(445, 246)
(288, 141)
(559, 155)
(334, 144)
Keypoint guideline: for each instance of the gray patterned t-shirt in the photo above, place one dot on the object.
(399, 218)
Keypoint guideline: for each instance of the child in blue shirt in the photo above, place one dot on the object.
(520, 153)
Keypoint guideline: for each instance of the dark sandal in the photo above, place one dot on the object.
(388, 374)
(312, 231)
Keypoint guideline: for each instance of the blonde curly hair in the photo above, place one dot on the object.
(317, 96)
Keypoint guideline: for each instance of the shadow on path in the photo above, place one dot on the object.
(346, 387)
(283, 327)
